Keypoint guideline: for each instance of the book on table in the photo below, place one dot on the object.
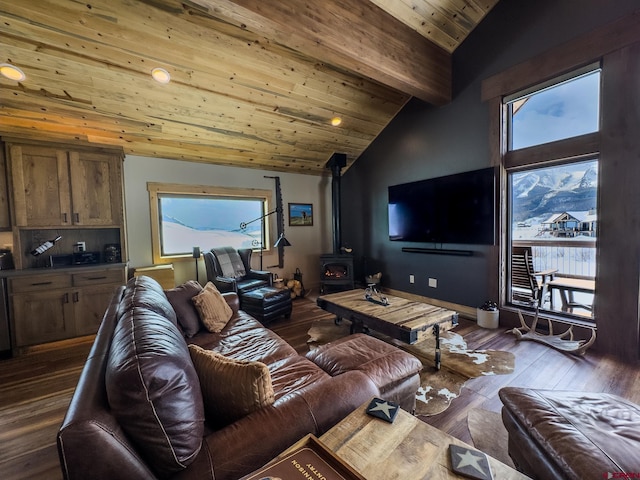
(308, 458)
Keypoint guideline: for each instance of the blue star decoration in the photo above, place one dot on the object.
(383, 409)
(470, 463)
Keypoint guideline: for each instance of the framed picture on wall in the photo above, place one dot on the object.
(300, 214)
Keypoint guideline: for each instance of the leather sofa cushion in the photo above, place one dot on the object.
(231, 389)
(212, 307)
(581, 434)
(383, 363)
(146, 292)
(245, 338)
(186, 313)
(153, 389)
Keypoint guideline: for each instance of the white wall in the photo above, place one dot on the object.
(307, 242)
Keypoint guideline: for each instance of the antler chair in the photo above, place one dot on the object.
(527, 285)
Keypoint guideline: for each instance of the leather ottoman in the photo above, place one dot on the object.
(395, 372)
(266, 303)
(571, 435)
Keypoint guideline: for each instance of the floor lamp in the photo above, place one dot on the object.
(282, 241)
(196, 255)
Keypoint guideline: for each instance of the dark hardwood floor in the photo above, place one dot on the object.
(35, 389)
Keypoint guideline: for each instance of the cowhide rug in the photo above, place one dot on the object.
(438, 388)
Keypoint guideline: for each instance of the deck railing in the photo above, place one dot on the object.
(572, 258)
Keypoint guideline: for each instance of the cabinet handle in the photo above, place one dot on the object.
(97, 278)
(64, 218)
(77, 215)
(37, 284)
(65, 298)
(76, 297)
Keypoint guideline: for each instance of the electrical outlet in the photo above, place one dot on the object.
(412, 279)
(433, 283)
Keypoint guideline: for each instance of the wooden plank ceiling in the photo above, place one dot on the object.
(254, 83)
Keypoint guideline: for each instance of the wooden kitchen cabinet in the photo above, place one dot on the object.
(49, 307)
(96, 194)
(55, 186)
(92, 293)
(74, 191)
(44, 317)
(43, 305)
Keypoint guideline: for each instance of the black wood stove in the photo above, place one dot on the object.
(336, 269)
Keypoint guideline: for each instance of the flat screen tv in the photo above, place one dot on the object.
(457, 208)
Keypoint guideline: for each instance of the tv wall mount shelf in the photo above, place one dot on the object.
(438, 251)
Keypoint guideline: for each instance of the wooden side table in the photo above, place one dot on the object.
(407, 448)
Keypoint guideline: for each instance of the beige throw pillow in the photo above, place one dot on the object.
(213, 309)
(231, 388)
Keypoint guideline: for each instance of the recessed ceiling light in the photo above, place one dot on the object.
(160, 75)
(335, 121)
(12, 72)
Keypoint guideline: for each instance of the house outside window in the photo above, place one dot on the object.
(552, 200)
(186, 216)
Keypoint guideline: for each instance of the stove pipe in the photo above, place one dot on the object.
(336, 163)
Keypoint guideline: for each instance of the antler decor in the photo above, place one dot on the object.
(559, 342)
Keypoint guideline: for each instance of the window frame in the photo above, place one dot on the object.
(569, 150)
(507, 300)
(617, 46)
(156, 190)
(558, 80)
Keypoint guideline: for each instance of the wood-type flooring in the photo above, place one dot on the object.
(35, 388)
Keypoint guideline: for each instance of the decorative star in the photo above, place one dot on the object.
(383, 407)
(469, 459)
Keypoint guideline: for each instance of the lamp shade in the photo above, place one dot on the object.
(282, 241)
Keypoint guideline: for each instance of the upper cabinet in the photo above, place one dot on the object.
(55, 186)
(96, 195)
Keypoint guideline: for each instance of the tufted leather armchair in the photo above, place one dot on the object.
(230, 271)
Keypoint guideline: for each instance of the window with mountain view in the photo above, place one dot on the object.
(554, 216)
(209, 222)
(553, 211)
(206, 217)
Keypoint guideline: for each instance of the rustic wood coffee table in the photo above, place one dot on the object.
(405, 320)
(407, 448)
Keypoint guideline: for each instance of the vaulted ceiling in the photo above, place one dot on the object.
(254, 83)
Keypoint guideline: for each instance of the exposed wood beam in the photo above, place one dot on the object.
(355, 35)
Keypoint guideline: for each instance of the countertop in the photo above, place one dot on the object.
(66, 269)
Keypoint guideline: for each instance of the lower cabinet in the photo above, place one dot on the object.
(41, 317)
(50, 307)
(89, 307)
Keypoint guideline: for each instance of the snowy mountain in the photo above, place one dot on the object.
(543, 192)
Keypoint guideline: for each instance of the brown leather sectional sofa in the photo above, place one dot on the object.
(137, 412)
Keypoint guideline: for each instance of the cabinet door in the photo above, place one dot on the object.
(40, 177)
(95, 188)
(90, 303)
(41, 317)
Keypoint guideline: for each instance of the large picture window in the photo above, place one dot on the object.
(554, 219)
(185, 216)
(552, 194)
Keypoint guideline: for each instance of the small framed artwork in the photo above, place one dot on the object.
(300, 214)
